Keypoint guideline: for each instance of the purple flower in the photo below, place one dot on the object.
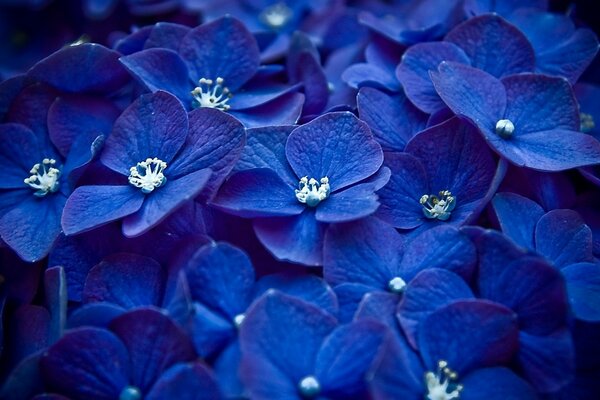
(163, 161)
(328, 173)
(530, 120)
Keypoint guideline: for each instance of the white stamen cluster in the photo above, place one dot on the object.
(311, 192)
(309, 387)
(44, 177)
(211, 94)
(276, 15)
(442, 385)
(505, 128)
(439, 207)
(148, 175)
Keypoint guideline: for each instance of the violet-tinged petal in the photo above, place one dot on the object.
(384, 53)
(25, 380)
(349, 297)
(133, 42)
(165, 201)
(127, 280)
(283, 110)
(221, 277)
(89, 207)
(259, 91)
(155, 125)
(154, 344)
(469, 334)
(31, 228)
(471, 92)
(166, 35)
(547, 362)
(222, 48)
(161, 69)
(297, 238)
(399, 199)
(30, 108)
(538, 103)
(215, 140)
(19, 152)
(87, 362)
(282, 336)
(349, 204)
(83, 151)
(430, 290)
(494, 45)
(366, 252)
(363, 74)
(28, 332)
(393, 119)
(517, 216)
(265, 148)
(185, 382)
(563, 238)
(87, 67)
(477, 7)
(583, 288)
(346, 356)
(257, 193)
(413, 72)
(506, 385)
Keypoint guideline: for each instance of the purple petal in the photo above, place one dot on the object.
(164, 201)
(166, 35)
(92, 206)
(98, 315)
(413, 72)
(283, 110)
(155, 125)
(222, 48)
(19, 152)
(185, 382)
(517, 216)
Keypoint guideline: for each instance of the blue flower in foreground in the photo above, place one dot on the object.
(464, 350)
(531, 120)
(215, 65)
(163, 161)
(294, 350)
(328, 173)
(143, 354)
(564, 239)
(446, 176)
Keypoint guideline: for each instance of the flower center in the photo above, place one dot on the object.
(587, 122)
(238, 319)
(396, 285)
(309, 387)
(130, 393)
(505, 128)
(148, 175)
(438, 206)
(311, 192)
(211, 94)
(442, 385)
(44, 177)
(276, 15)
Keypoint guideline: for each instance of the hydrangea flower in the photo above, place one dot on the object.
(163, 161)
(328, 174)
(530, 120)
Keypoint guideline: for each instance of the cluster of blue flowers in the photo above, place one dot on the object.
(300, 199)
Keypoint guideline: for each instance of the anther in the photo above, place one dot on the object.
(211, 94)
(44, 177)
(148, 175)
(311, 192)
(438, 207)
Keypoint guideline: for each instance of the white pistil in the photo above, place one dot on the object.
(442, 385)
(396, 285)
(44, 177)
(148, 175)
(311, 192)
(505, 128)
(587, 123)
(238, 319)
(211, 94)
(130, 393)
(438, 207)
(309, 387)
(276, 15)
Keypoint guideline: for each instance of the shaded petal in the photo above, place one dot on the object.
(563, 238)
(166, 35)
(257, 193)
(517, 216)
(583, 288)
(185, 382)
(154, 125)
(164, 201)
(469, 334)
(380, 306)
(283, 110)
(154, 344)
(413, 72)
(337, 146)
(87, 363)
(349, 297)
(89, 207)
(222, 48)
(55, 286)
(506, 385)
(94, 314)
(128, 280)
(210, 331)
(363, 74)
(366, 252)
(19, 152)
(280, 339)
(297, 238)
(350, 204)
(161, 69)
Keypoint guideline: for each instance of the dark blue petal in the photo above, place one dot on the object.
(381, 307)
(349, 204)
(94, 314)
(498, 383)
(166, 35)
(211, 331)
(583, 288)
(363, 74)
(517, 216)
(185, 382)
(19, 152)
(349, 297)
(283, 110)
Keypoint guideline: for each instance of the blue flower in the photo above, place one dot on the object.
(328, 173)
(163, 161)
